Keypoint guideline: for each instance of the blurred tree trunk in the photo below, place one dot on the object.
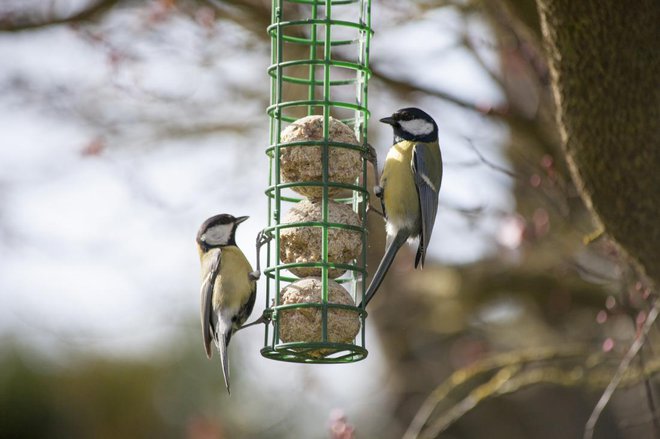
(605, 93)
(605, 64)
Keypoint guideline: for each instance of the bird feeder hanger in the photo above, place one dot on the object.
(337, 58)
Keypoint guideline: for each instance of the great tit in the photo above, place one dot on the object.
(229, 287)
(409, 187)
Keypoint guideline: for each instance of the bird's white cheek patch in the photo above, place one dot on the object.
(417, 127)
(218, 235)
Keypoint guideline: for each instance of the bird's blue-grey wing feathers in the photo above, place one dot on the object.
(207, 303)
(427, 169)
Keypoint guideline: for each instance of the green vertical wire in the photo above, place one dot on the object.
(270, 222)
(361, 122)
(268, 255)
(365, 39)
(327, 48)
(278, 131)
(271, 163)
(311, 94)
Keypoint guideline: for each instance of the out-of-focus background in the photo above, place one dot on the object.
(124, 124)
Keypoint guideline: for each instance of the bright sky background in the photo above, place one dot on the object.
(97, 252)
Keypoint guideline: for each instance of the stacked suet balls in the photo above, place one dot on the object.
(303, 163)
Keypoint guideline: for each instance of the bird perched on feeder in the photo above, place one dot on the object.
(229, 287)
(409, 187)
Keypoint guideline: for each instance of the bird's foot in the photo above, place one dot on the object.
(263, 319)
(370, 155)
(371, 208)
(263, 238)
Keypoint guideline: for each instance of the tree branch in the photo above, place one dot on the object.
(92, 11)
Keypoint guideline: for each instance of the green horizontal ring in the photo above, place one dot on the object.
(309, 42)
(316, 103)
(321, 142)
(296, 352)
(272, 71)
(274, 109)
(268, 273)
(319, 305)
(293, 119)
(271, 271)
(350, 121)
(302, 197)
(323, 2)
(315, 224)
(319, 21)
(351, 187)
(273, 28)
(318, 43)
(270, 191)
(320, 62)
(332, 83)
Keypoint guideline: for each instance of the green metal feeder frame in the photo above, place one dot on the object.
(320, 66)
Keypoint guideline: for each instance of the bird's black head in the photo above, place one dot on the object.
(219, 231)
(412, 124)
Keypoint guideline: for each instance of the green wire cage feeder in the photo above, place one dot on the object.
(317, 196)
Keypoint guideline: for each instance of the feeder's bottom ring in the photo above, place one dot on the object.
(320, 353)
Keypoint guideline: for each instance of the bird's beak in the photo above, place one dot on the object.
(240, 219)
(388, 120)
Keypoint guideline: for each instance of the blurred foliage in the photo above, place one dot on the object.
(87, 398)
(78, 395)
(92, 397)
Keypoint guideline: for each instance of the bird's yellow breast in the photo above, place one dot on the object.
(233, 286)
(399, 190)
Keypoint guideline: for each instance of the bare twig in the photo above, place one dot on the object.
(621, 370)
(404, 86)
(486, 367)
(91, 11)
(490, 164)
(507, 373)
(650, 398)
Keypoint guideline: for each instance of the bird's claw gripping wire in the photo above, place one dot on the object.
(370, 155)
(265, 319)
(262, 239)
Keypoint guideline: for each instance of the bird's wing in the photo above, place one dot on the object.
(379, 192)
(246, 309)
(207, 302)
(427, 169)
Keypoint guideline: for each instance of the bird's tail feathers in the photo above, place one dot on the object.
(393, 246)
(421, 254)
(223, 342)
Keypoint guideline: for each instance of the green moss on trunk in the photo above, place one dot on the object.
(605, 64)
